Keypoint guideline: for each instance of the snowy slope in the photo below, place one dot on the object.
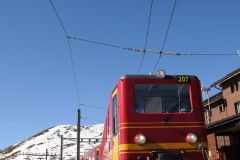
(50, 140)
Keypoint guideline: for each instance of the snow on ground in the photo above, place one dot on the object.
(50, 140)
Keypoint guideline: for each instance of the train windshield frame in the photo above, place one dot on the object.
(162, 98)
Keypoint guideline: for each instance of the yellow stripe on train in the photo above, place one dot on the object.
(161, 123)
(201, 126)
(159, 146)
(146, 152)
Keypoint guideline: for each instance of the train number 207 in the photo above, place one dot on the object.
(183, 79)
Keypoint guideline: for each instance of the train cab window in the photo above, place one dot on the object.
(162, 98)
(115, 115)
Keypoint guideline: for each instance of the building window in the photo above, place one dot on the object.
(237, 107)
(234, 87)
(210, 113)
(221, 108)
(222, 141)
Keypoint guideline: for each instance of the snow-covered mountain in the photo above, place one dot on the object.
(35, 147)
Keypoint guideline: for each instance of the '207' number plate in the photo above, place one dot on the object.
(183, 79)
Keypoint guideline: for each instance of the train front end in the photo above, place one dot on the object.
(160, 118)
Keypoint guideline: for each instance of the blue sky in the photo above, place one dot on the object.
(37, 85)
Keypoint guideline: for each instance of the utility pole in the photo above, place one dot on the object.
(209, 107)
(78, 134)
(46, 153)
(61, 149)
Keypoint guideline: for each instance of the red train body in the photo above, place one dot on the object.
(153, 118)
(92, 154)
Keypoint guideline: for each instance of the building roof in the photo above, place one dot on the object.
(225, 78)
(214, 98)
(225, 123)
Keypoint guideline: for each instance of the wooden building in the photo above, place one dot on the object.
(222, 117)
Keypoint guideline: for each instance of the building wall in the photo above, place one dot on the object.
(227, 109)
(228, 100)
(217, 114)
(212, 146)
(218, 111)
(230, 97)
(214, 143)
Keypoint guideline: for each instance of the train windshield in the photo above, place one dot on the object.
(162, 98)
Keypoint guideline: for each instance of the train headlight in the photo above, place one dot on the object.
(191, 138)
(161, 73)
(140, 139)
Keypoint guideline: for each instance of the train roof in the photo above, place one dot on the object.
(152, 76)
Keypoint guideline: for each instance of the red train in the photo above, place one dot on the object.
(154, 117)
(92, 154)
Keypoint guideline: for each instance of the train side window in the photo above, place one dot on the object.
(108, 123)
(115, 115)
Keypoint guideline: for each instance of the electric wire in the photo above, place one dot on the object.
(141, 51)
(92, 106)
(207, 54)
(192, 54)
(146, 37)
(58, 17)
(166, 35)
(144, 51)
(105, 44)
(69, 51)
(74, 72)
(92, 119)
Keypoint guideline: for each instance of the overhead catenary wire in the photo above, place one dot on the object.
(191, 54)
(137, 50)
(92, 106)
(205, 54)
(74, 72)
(92, 119)
(146, 37)
(69, 51)
(148, 51)
(166, 35)
(59, 19)
(104, 44)
(141, 50)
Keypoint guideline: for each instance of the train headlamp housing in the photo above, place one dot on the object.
(161, 73)
(140, 139)
(191, 138)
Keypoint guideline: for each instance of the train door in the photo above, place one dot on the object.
(115, 125)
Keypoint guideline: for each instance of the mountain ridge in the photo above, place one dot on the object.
(48, 142)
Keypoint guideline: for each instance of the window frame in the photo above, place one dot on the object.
(234, 87)
(222, 108)
(237, 107)
(115, 115)
(165, 99)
